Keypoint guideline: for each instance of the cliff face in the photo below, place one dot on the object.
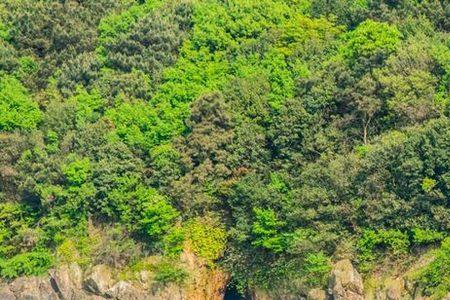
(345, 283)
(69, 282)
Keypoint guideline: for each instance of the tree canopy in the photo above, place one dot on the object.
(272, 137)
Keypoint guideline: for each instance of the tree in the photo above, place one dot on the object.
(204, 152)
(370, 44)
(17, 109)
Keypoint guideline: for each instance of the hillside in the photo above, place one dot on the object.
(265, 141)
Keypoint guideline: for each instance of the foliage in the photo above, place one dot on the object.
(317, 268)
(168, 272)
(395, 241)
(270, 137)
(31, 263)
(206, 238)
(158, 217)
(371, 39)
(266, 230)
(17, 109)
(426, 236)
(433, 276)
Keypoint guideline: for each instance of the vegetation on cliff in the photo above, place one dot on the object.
(270, 137)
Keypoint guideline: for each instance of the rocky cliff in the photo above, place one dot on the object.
(70, 282)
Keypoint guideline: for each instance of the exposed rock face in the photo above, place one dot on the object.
(317, 294)
(98, 280)
(345, 282)
(205, 283)
(29, 288)
(6, 293)
(125, 290)
(67, 282)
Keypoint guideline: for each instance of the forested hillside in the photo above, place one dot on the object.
(270, 137)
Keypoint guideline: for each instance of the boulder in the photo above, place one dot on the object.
(345, 282)
(317, 294)
(123, 290)
(168, 292)
(33, 288)
(67, 281)
(99, 280)
(6, 293)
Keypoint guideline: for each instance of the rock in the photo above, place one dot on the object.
(33, 288)
(93, 297)
(67, 282)
(125, 291)
(6, 293)
(317, 294)
(98, 280)
(145, 279)
(345, 282)
(168, 292)
(204, 282)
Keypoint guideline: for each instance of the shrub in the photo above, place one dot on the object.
(17, 109)
(433, 278)
(76, 250)
(317, 268)
(158, 217)
(426, 236)
(173, 241)
(30, 263)
(393, 240)
(266, 231)
(206, 238)
(168, 272)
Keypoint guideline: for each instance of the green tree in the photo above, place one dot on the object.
(17, 109)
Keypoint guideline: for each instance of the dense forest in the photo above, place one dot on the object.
(271, 137)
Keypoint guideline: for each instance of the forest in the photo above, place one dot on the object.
(271, 137)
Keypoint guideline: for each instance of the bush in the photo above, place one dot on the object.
(206, 238)
(433, 278)
(30, 263)
(317, 268)
(76, 250)
(266, 231)
(393, 240)
(17, 109)
(158, 217)
(426, 236)
(168, 272)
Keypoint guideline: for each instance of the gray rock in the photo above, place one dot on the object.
(33, 288)
(123, 290)
(170, 292)
(99, 280)
(67, 282)
(345, 282)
